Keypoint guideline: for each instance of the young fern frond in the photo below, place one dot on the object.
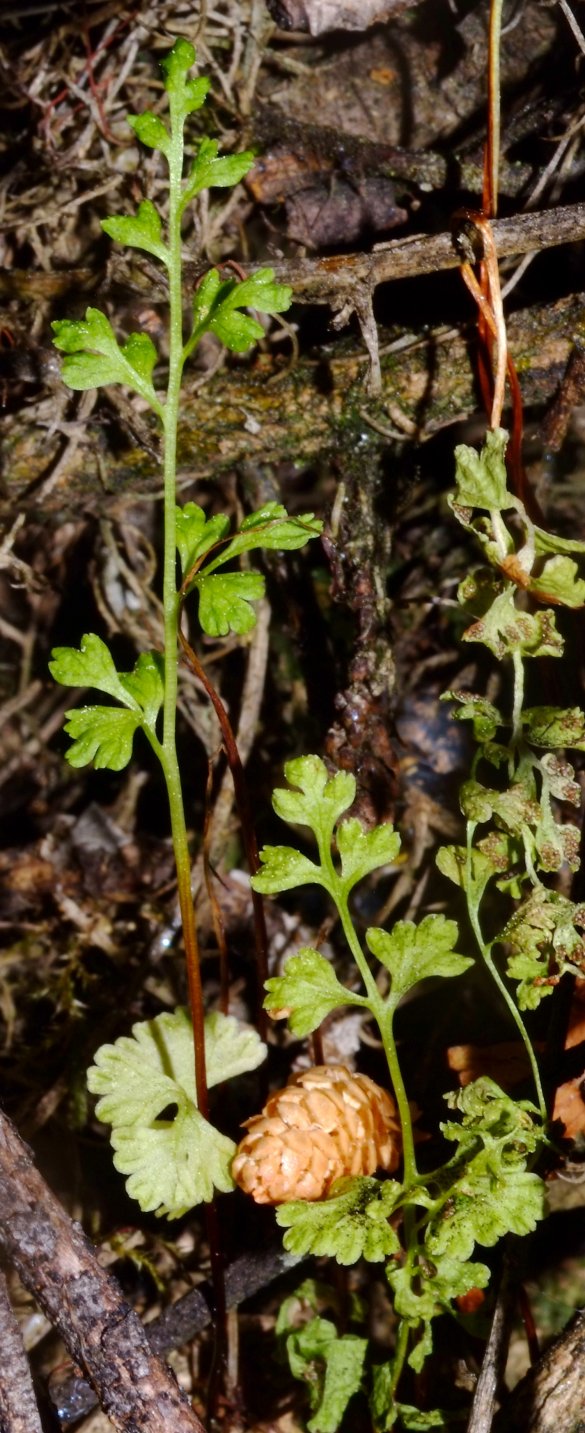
(488, 1188)
(146, 699)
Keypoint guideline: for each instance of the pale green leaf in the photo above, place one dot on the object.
(319, 800)
(309, 989)
(422, 1348)
(103, 735)
(142, 230)
(132, 1075)
(430, 1287)
(551, 542)
(490, 1200)
(209, 171)
(386, 1411)
(140, 352)
(82, 371)
(145, 685)
(196, 534)
(283, 868)
(478, 588)
(383, 1406)
(330, 1365)
(555, 726)
(260, 292)
(505, 629)
(485, 716)
(417, 1422)
(236, 330)
(545, 935)
(188, 95)
(271, 529)
(94, 331)
(151, 131)
(172, 1163)
(195, 94)
(500, 850)
(306, 1345)
(489, 1111)
(352, 1223)
(224, 601)
(559, 582)
(176, 64)
(231, 1048)
(493, 1193)
(91, 666)
(205, 297)
(416, 952)
(345, 1359)
(452, 862)
(516, 808)
(480, 478)
(95, 358)
(554, 843)
(474, 800)
(559, 778)
(532, 986)
(364, 851)
(218, 303)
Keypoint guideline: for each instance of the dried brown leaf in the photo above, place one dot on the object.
(317, 16)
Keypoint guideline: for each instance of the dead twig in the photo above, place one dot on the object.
(492, 1369)
(323, 280)
(551, 1396)
(103, 1334)
(251, 1272)
(18, 1405)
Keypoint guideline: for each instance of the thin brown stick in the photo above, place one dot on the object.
(484, 1401)
(245, 815)
(216, 916)
(318, 280)
(102, 1333)
(18, 1405)
(492, 157)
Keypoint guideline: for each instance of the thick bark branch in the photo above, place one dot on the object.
(179, 1323)
(551, 1397)
(18, 1405)
(103, 1334)
(257, 414)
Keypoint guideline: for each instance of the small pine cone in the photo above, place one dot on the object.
(325, 1124)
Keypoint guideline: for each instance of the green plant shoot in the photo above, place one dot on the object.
(145, 699)
(425, 1227)
(486, 1187)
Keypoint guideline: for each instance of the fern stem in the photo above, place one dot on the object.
(171, 609)
(494, 105)
(383, 1012)
(485, 952)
